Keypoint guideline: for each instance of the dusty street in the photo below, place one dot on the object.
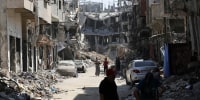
(85, 87)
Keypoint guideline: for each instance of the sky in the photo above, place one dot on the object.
(106, 2)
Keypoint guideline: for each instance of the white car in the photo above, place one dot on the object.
(67, 68)
(81, 66)
(137, 70)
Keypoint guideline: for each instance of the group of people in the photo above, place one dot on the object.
(107, 87)
(149, 88)
(105, 65)
(97, 66)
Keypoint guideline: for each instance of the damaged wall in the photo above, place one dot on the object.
(103, 30)
(14, 30)
(3, 39)
(179, 58)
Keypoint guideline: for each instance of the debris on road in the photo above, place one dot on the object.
(185, 87)
(27, 85)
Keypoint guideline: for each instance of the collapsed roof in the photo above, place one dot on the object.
(101, 16)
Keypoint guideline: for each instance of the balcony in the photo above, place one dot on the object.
(21, 5)
(55, 17)
(24, 6)
(44, 11)
(57, 14)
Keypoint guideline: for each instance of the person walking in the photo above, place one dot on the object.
(156, 74)
(105, 64)
(108, 87)
(117, 64)
(97, 67)
(148, 88)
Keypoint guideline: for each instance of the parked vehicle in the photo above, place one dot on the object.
(137, 70)
(67, 68)
(81, 66)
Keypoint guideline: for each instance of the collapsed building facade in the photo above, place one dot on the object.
(147, 26)
(156, 23)
(31, 32)
(107, 30)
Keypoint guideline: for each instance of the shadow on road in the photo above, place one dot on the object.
(92, 93)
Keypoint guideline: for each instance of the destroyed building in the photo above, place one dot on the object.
(104, 30)
(157, 23)
(30, 33)
(151, 25)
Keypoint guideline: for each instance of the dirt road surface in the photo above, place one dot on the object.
(85, 87)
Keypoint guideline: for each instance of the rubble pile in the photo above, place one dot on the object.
(185, 87)
(27, 85)
(11, 92)
(92, 55)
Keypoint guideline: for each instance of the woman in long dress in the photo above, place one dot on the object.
(97, 66)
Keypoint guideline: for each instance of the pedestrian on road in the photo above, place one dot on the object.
(105, 64)
(97, 67)
(148, 89)
(108, 87)
(117, 64)
(156, 73)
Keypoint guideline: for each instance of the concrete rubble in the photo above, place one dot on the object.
(29, 86)
(33, 86)
(184, 87)
(92, 55)
(40, 85)
(179, 87)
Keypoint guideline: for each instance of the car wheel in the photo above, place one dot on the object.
(83, 69)
(76, 74)
(132, 81)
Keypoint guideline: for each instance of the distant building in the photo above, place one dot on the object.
(91, 7)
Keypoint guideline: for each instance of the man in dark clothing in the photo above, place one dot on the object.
(147, 89)
(117, 63)
(105, 64)
(108, 87)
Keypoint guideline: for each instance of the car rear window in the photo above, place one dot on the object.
(140, 64)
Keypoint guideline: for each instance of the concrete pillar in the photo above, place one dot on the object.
(96, 43)
(3, 39)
